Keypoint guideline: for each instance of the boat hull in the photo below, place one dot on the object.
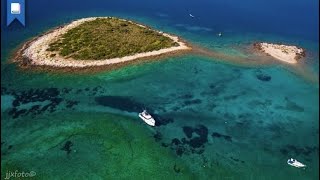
(150, 122)
(296, 164)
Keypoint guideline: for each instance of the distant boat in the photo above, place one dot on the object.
(191, 15)
(147, 118)
(295, 163)
(220, 34)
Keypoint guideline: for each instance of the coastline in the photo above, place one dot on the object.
(255, 58)
(33, 52)
(285, 53)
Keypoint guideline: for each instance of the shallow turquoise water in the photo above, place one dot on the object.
(267, 122)
(220, 121)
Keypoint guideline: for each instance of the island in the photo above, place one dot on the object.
(94, 44)
(97, 41)
(285, 53)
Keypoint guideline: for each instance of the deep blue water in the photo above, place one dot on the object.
(295, 18)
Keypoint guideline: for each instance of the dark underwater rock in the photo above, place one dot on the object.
(164, 144)
(34, 96)
(66, 90)
(175, 141)
(215, 134)
(179, 150)
(191, 102)
(71, 104)
(67, 147)
(236, 160)
(15, 103)
(187, 131)
(176, 168)
(263, 77)
(202, 131)
(195, 142)
(18, 113)
(190, 144)
(186, 96)
(218, 135)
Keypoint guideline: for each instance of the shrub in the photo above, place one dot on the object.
(105, 38)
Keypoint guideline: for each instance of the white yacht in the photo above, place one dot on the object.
(147, 118)
(191, 15)
(295, 163)
(220, 34)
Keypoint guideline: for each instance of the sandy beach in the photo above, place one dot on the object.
(35, 51)
(285, 53)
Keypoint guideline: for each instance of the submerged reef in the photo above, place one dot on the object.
(194, 142)
(67, 146)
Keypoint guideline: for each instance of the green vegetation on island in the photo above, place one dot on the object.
(105, 38)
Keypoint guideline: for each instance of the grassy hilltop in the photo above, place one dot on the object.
(105, 38)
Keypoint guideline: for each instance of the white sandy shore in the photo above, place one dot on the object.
(288, 54)
(37, 52)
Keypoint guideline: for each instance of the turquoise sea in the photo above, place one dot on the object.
(215, 120)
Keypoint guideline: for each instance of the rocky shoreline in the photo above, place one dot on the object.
(286, 53)
(33, 53)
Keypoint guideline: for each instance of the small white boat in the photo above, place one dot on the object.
(191, 15)
(295, 163)
(220, 34)
(147, 118)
